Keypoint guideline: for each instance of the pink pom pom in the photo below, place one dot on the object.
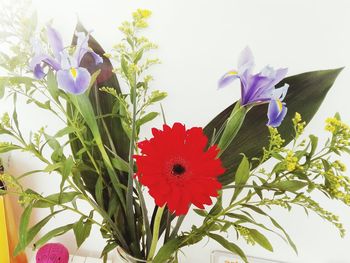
(52, 253)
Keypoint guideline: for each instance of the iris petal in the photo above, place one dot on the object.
(74, 81)
(246, 61)
(276, 113)
(228, 78)
(83, 47)
(55, 41)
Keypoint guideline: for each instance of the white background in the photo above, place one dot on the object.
(199, 40)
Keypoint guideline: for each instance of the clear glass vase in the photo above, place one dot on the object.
(124, 257)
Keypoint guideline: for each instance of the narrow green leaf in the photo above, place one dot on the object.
(7, 147)
(23, 226)
(99, 191)
(233, 125)
(314, 143)
(229, 246)
(241, 177)
(147, 118)
(168, 250)
(120, 164)
(53, 233)
(55, 199)
(260, 239)
(52, 85)
(289, 185)
(275, 223)
(33, 231)
(108, 248)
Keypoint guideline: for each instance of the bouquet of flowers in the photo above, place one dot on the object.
(217, 171)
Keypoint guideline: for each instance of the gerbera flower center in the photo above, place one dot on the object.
(178, 169)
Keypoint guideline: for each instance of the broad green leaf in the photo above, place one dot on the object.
(289, 185)
(82, 230)
(229, 246)
(241, 177)
(260, 239)
(53, 233)
(305, 95)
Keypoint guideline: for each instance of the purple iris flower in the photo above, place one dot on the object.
(260, 87)
(70, 76)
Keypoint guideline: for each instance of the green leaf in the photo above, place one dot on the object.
(241, 177)
(168, 249)
(314, 143)
(260, 239)
(157, 96)
(289, 185)
(147, 118)
(33, 231)
(53, 233)
(217, 208)
(108, 248)
(99, 191)
(52, 85)
(120, 164)
(275, 223)
(305, 95)
(65, 131)
(82, 230)
(23, 226)
(7, 147)
(68, 165)
(229, 246)
(233, 125)
(55, 199)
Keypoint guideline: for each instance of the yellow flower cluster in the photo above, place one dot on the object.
(140, 17)
(299, 125)
(334, 124)
(291, 161)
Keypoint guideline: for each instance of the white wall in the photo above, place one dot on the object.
(199, 40)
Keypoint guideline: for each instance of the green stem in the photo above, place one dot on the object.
(156, 226)
(129, 194)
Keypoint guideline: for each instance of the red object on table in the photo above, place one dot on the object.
(52, 253)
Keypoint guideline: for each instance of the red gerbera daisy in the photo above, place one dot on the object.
(176, 168)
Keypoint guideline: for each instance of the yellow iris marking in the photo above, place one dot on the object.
(74, 72)
(231, 73)
(279, 103)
